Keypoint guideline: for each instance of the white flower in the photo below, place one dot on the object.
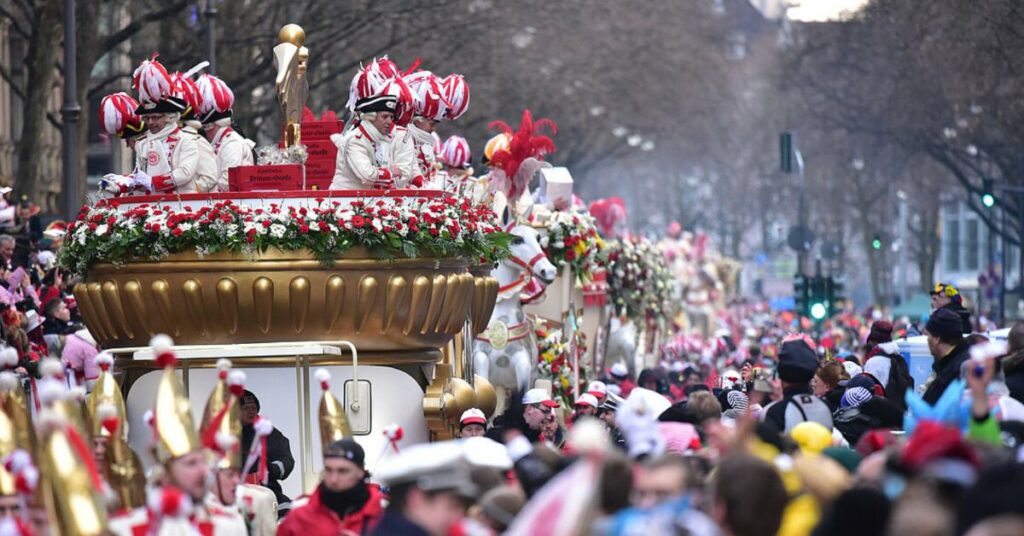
(277, 230)
(232, 229)
(185, 226)
(102, 230)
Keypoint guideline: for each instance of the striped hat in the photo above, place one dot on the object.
(854, 397)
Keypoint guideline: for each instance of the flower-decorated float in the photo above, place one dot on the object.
(281, 272)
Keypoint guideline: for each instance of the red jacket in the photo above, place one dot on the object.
(626, 387)
(309, 516)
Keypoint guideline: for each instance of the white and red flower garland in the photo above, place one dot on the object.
(572, 241)
(639, 283)
(388, 227)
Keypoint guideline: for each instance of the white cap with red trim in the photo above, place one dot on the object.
(473, 416)
(539, 396)
(597, 389)
(587, 399)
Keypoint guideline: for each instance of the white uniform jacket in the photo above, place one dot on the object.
(177, 160)
(363, 161)
(232, 151)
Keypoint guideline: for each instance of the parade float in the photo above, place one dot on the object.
(381, 287)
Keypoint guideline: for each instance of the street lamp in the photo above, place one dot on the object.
(70, 110)
(210, 13)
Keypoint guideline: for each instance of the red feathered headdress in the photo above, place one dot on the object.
(608, 212)
(524, 144)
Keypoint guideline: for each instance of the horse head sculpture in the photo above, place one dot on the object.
(505, 352)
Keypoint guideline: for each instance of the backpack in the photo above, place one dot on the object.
(900, 381)
(853, 424)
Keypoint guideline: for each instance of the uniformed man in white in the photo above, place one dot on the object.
(169, 159)
(363, 162)
(232, 149)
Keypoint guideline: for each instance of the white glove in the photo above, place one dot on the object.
(143, 181)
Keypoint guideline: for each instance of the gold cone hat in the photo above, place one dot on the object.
(333, 420)
(15, 408)
(8, 444)
(77, 506)
(221, 427)
(172, 413)
(106, 391)
(122, 468)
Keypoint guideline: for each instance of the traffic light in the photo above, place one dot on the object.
(835, 292)
(786, 152)
(818, 308)
(876, 242)
(988, 197)
(801, 293)
(814, 296)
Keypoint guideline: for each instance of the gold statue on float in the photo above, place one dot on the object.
(291, 60)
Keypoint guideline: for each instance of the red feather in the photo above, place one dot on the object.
(524, 143)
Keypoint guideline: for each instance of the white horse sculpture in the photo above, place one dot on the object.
(505, 353)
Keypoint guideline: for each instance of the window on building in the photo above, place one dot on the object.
(951, 243)
(973, 245)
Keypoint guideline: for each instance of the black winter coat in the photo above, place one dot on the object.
(947, 370)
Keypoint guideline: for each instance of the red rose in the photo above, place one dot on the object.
(92, 226)
(358, 221)
(434, 231)
(177, 231)
(155, 228)
(250, 235)
(304, 229)
(266, 223)
(322, 225)
(570, 255)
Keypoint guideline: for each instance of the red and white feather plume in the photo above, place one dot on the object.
(428, 94)
(526, 149)
(406, 108)
(117, 111)
(456, 152)
(214, 95)
(151, 81)
(371, 80)
(186, 89)
(456, 94)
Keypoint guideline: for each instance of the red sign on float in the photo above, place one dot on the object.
(320, 130)
(265, 178)
(320, 164)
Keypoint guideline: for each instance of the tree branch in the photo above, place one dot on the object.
(138, 23)
(14, 23)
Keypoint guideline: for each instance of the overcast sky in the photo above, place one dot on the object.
(818, 10)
